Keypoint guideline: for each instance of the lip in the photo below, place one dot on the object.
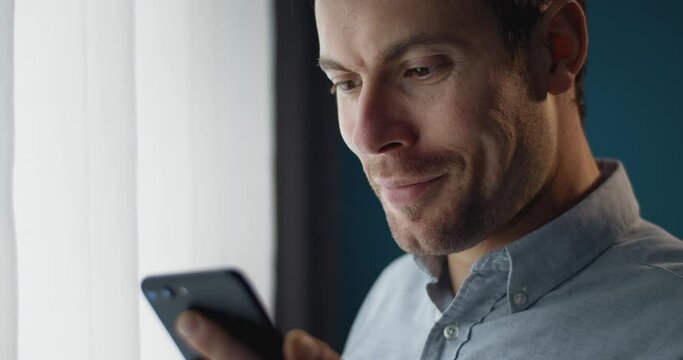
(405, 192)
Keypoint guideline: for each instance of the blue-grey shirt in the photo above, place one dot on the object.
(598, 282)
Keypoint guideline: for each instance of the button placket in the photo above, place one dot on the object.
(474, 300)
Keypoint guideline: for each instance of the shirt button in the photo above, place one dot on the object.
(520, 298)
(450, 332)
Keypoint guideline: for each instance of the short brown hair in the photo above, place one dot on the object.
(517, 19)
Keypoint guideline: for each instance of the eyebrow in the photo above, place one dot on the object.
(400, 48)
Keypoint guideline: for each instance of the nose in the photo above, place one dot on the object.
(383, 121)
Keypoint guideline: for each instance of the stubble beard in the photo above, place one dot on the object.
(456, 227)
(462, 214)
(449, 221)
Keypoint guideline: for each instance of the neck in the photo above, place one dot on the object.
(575, 175)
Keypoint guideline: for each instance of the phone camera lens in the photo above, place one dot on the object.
(166, 294)
(151, 295)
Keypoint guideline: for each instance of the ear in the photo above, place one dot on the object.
(561, 38)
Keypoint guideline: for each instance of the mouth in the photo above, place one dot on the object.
(407, 192)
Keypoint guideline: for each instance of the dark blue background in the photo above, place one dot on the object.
(634, 95)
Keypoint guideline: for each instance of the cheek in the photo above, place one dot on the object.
(454, 108)
(454, 122)
(473, 125)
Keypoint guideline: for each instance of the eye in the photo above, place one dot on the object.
(419, 72)
(428, 69)
(344, 85)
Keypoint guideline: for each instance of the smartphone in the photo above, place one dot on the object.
(223, 296)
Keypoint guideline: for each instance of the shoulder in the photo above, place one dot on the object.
(398, 291)
(399, 279)
(647, 245)
(647, 261)
(641, 277)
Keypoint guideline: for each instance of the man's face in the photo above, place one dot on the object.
(439, 114)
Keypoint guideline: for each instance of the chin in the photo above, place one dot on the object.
(418, 233)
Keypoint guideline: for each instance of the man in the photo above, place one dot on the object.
(467, 117)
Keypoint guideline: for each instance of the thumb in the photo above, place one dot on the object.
(299, 345)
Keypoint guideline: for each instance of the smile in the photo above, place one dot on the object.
(406, 192)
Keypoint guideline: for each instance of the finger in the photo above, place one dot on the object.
(299, 345)
(209, 339)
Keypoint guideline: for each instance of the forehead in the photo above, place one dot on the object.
(361, 30)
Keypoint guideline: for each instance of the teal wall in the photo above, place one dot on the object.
(635, 75)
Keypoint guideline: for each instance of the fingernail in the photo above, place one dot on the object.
(188, 324)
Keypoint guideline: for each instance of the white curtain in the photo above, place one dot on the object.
(8, 275)
(143, 145)
(206, 170)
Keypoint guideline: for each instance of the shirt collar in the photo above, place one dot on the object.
(549, 255)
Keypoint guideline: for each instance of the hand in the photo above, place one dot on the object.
(207, 338)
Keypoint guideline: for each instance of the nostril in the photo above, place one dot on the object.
(389, 146)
